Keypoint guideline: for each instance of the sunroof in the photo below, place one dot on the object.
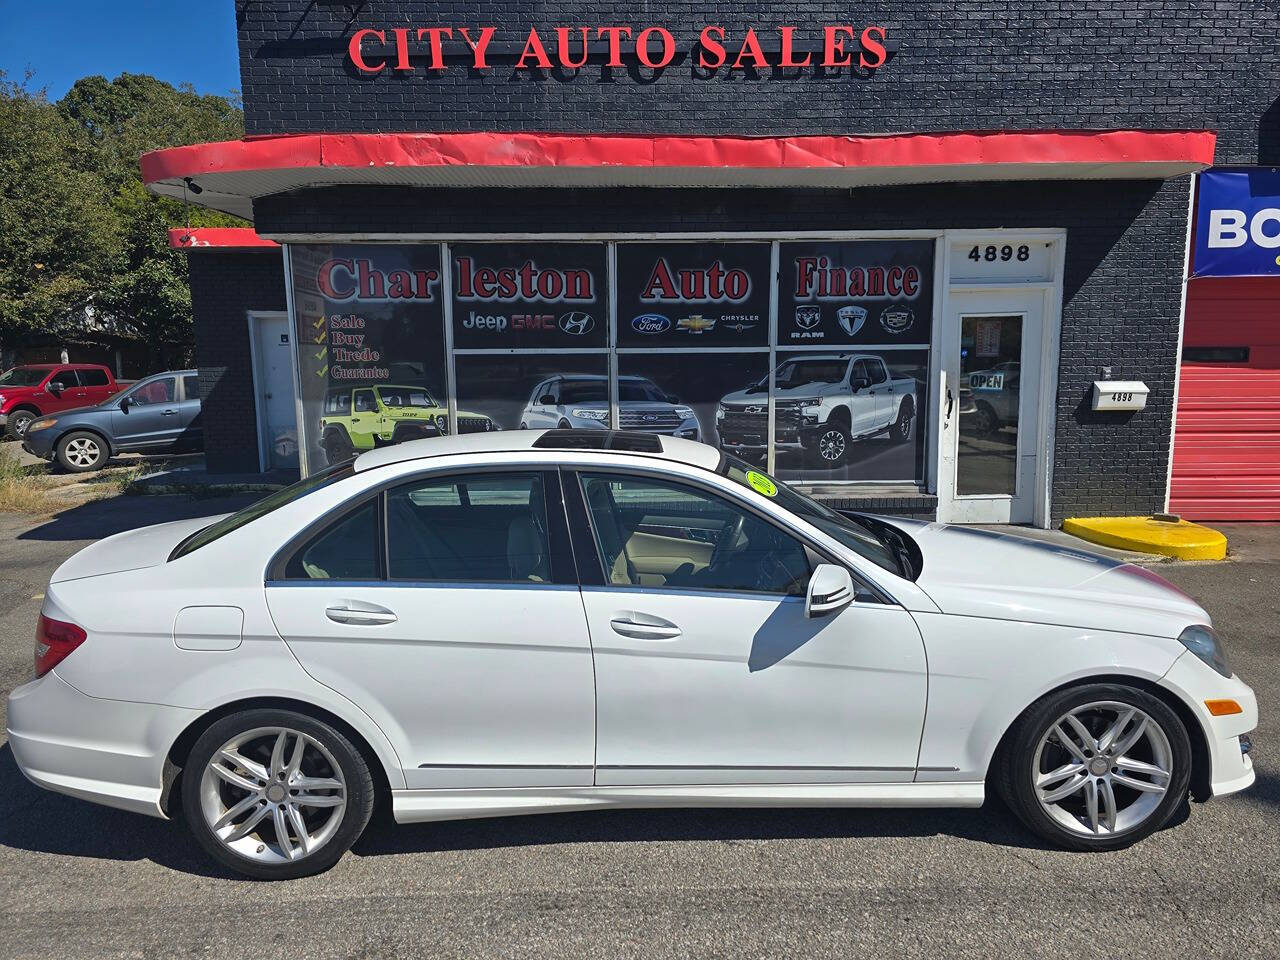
(599, 440)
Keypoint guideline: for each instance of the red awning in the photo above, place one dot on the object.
(231, 174)
(222, 237)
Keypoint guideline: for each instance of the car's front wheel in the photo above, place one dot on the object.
(1097, 767)
(338, 448)
(19, 420)
(833, 444)
(274, 794)
(81, 451)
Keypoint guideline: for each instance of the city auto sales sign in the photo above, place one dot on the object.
(373, 50)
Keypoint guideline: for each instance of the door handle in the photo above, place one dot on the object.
(360, 614)
(950, 402)
(641, 626)
(168, 413)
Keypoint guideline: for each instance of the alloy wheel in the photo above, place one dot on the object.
(82, 452)
(273, 795)
(831, 445)
(1102, 768)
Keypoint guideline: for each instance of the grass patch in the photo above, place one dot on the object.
(24, 489)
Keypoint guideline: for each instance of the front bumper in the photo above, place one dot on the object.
(1231, 769)
(39, 443)
(106, 751)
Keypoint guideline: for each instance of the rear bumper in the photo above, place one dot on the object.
(106, 751)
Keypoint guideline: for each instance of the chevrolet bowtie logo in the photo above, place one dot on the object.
(696, 324)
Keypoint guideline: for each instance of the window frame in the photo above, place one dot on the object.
(563, 566)
(591, 570)
(355, 393)
(186, 394)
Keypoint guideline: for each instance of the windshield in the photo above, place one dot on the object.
(261, 508)
(22, 377)
(406, 397)
(583, 391)
(857, 536)
(795, 373)
(643, 391)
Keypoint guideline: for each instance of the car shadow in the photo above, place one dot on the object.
(103, 518)
(43, 822)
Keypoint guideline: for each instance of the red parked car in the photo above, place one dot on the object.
(36, 389)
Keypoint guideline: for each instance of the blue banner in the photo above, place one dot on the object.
(1238, 224)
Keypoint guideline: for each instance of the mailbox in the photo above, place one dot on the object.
(1119, 394)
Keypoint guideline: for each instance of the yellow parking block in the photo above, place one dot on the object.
(1169, 538)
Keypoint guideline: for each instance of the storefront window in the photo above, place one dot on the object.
(370, 346)
(533, 391)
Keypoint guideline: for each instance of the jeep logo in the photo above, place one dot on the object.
(576, 323)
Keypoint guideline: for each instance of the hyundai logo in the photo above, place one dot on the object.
(650, 323)
(577, 323)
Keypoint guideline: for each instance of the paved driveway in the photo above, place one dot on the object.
(85, 881)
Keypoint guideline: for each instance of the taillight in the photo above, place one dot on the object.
(55, 640)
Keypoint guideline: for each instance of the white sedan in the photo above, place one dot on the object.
(528, 622)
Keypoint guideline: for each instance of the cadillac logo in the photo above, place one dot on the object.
(851, 319)
(808, 316)
(896, 318)
(577, 323)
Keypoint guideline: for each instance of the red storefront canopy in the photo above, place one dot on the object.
(232, 173)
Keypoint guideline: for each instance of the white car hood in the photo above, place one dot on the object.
(813, 389)
(981, 573)
(131, 550)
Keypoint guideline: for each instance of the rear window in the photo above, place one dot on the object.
(93, 378)
(264, 506)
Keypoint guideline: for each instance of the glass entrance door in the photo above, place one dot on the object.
(990, 425)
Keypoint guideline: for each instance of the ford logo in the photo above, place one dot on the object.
(650, 323)
(577, 323)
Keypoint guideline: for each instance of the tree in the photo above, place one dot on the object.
(58, 231)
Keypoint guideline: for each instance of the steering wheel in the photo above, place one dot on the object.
(729, 536)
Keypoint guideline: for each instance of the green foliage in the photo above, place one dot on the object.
(77, 228)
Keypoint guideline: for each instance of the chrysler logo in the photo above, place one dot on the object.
(577, 323)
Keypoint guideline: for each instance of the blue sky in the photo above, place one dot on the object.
(62, 40)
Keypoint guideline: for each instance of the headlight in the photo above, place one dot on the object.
(720, 411)
(584, 414)
(1205, 644)
(42, 424)
(684, 413)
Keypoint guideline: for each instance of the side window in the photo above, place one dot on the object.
(553, 390)
(365, 402)
(488, 527)
(653, 533)
(878, 374)
(345, 550)
(536, 396)
(67, 378)
(191, 387)
(157, 391)
(93, 378)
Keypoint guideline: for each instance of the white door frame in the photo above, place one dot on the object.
(1051, 292)
(259, 378)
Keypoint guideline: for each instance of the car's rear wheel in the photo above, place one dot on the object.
(19, 420)
(80, 452)
(274, 794)
(338, 448)
(901, 429)
(1097, 767)
(985, 420)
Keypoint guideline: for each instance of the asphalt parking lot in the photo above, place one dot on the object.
(85, 881)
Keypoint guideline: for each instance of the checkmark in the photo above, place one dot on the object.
(322, 336)
(322, 353)
(319, 323)
(323, 371)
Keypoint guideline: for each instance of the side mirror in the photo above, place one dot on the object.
(830, 591)
(547, 400)
(859, 383)
(56, 387)
(125, 403)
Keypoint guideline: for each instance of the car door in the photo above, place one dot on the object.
(96, 384)
(189, 411)
(455, 623)
(707, 670)
(150, 418)
(62, 391)
(885, 409)
(365, 420)
(543, 414)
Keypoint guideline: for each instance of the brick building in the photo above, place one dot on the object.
(889, 257)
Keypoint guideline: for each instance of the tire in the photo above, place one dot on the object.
(1160, 758)
(258, 786)
(337, 448)
(832, 443)
(985, 419)
(81, 451)
(900, 432)
(19, 420)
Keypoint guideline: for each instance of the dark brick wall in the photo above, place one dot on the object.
(962, 65)
(225, 286)
(1122, 285)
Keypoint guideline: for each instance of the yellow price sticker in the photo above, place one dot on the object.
(761, 484)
